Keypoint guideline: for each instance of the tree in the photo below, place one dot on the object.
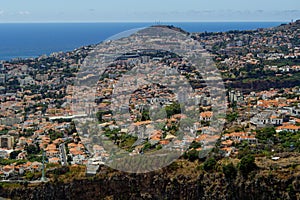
(13, 155)
(72, 128)
(244, 150)
(147, 146)
(145, 115)
(209, 164)
(173, 109)
(247, 164)
(191, 155)
(230, 171)
(195, 145)
(55, 135)
(29, 175)
(265, 133)
(231, 117)
(100, 115)
(32, 149)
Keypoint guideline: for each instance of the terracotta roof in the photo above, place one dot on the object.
(206, 114)
(227, 142)
(164, 142)
(142, 123)
(226, 149)
(51, 147)
(290, 127)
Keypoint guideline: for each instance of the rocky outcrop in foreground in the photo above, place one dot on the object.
(160, 185)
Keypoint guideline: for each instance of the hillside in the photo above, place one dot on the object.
(257, 156)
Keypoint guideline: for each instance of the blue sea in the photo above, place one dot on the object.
(23, 40)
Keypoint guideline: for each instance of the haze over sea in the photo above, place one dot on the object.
(23, 40)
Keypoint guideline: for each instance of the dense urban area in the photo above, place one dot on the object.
(39, 140)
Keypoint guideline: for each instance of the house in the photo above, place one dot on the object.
(36, 166)
(3, 154)
(296, 112)
(206, 116)
(22, 155)
(227, 151)
(288, 128)
(78, 159)
(249, 138)
(52, 151)
(227, 143)
(266, 118)
(234, 136)
(8, 170)
(6, 141)
(276, 120)
(54, 160)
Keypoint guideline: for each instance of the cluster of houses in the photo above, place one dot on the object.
(237, 49)
(257, 110)
(36, 102)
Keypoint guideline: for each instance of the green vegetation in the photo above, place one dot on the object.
(3, 132)
(34, 153)
(209, 164)
(230, 171)
(13, 155)
(230, 117)
(265, 134)
(173, 109)
(147, 146)
(9, 185)
(127, 141)
(191, 155)
(282, 62)
(35, 158)
(100, 115)
(247, 164)
(145, 115)
(10, 161)
(289, 140)
(195, 145)
(32, 149)
(55, 134)
(29, 175)
(244, 149)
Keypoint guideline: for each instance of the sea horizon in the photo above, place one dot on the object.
(190, 21)
(33, 39)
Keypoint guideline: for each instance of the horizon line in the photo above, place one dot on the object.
(154, 22)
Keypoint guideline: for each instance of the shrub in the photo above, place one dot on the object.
(14, 154)
(230, 171)
(191, 155)
(247, 164)
(29, 175)
(209, 164)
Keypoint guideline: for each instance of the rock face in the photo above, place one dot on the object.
(159, 186)
(259, 85)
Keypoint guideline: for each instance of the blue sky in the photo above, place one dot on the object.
(147, 10)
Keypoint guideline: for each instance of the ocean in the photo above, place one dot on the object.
(23, 40)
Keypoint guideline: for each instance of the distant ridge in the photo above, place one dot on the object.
(172, 28)
(291, 25)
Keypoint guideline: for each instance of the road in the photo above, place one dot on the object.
(63, 154)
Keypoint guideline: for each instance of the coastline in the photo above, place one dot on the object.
(26, 40)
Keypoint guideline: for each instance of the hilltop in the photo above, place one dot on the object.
(172, 28)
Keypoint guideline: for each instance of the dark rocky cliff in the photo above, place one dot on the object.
(259, 85)
(159, 185)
